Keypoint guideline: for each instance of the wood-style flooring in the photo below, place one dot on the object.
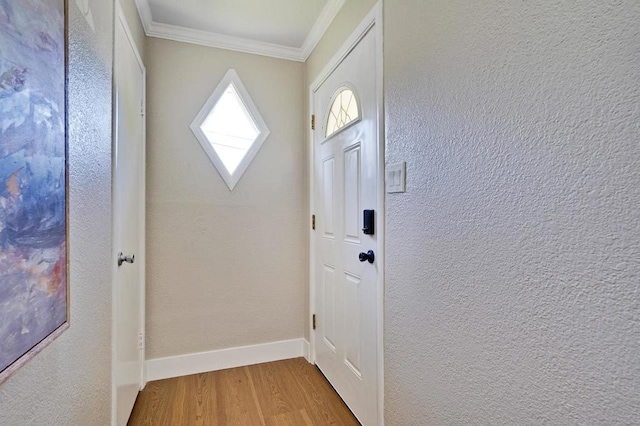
(291, 393)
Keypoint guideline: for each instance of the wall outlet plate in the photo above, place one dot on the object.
(396, 177)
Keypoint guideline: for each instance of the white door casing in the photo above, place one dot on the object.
(346, 179)
(128, 213)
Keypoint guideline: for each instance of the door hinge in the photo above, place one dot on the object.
(313, 122)
(141, 341)
(313, 222)
(313, 320)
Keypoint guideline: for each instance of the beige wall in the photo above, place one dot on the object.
(130, 12)
(345, 22)
(513, 268)
(225, 269)
(69, 382)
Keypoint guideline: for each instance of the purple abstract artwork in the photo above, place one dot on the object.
(33, 264)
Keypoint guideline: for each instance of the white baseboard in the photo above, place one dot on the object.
(203, 362)
(306, 349)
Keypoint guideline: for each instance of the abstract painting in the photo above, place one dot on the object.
(33, 179)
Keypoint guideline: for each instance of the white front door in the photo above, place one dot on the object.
(128, 195)
(345, 185)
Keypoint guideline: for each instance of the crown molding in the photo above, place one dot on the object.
(223, 41)
(144, 10)
(320, 27)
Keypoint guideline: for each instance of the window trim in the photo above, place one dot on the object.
(230, 78)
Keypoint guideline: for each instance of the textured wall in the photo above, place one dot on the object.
(69, 382)
(513, 268)
(225, 269)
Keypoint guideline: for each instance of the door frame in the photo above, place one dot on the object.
(372, 20)
(120, 19)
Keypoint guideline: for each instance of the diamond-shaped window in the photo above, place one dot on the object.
(230, 129)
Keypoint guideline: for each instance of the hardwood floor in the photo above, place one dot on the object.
(287, 393)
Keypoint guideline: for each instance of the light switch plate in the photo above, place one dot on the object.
(396, 177)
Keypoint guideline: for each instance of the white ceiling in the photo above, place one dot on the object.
(288, 29)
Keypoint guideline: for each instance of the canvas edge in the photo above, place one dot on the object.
(31, 353)
(40, 346)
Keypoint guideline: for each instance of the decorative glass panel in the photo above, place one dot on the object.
(230, 129)
(344, 111)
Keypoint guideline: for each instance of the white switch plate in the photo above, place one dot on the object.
(396, 177)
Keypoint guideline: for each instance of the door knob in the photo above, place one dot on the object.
(130, 258)
(367, 257)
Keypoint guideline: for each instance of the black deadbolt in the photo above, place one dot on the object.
(368, 256)
(369, 222)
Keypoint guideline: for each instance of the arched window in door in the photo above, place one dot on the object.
(344, 111)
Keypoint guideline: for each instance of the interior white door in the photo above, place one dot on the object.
(128, 194)
(346, 184)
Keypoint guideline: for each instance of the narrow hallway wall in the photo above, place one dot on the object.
(513, 260)
(225, 269)
(69, 382)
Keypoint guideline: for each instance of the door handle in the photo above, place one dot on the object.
(129, 258)
(367, 257)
